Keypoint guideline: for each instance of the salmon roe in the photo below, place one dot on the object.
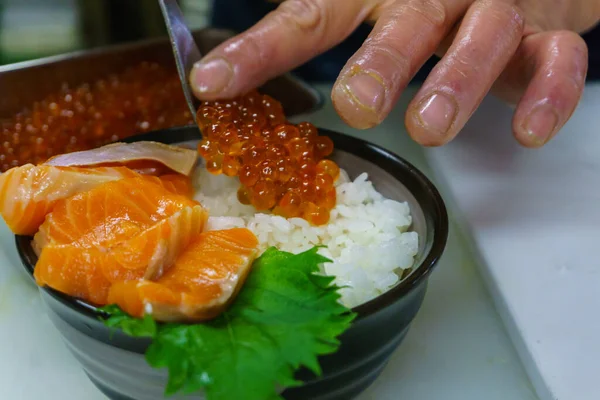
(140, 99)
(281, 166)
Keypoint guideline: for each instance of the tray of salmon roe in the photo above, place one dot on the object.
(282, 167)
(87, 99)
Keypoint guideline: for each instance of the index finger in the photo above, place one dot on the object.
(284, 39)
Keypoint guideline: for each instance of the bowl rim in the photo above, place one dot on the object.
(419, 273)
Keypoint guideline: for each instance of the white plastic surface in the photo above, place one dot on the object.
(534, 218)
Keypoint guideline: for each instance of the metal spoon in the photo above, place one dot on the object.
(184, 48)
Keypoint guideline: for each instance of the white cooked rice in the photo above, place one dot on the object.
(367, 237)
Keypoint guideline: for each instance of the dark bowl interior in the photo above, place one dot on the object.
(381, 323)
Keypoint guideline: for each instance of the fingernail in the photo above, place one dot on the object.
(437, 112)
(211, 76)
(541, 123)
(366, 90)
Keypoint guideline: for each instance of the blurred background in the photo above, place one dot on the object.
(36, 28)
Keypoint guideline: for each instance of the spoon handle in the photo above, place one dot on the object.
(184, 48)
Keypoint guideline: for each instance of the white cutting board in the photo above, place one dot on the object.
(534, 219)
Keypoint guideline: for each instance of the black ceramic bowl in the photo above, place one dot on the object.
(116, 364)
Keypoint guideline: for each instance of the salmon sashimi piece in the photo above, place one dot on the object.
(74, 272)
(201, 284)
(28, 193)
(88, 273)
(143, 167)
(113, 212)
(147, 157)
(133, 228)
(176, 183)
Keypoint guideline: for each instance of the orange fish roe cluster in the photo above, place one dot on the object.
(281, 166)
(142, 98)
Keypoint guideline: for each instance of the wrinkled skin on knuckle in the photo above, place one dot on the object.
(431, 12)
(578, 54)
(379, 7)
(381, 54)
(511, 16)
(249, 48)
(472, 54)
(306, 16)
(506, 20)
(466, 60)
(462, 67)
(542, 55)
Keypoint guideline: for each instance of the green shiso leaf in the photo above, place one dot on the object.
(285, 316)
(145, 327)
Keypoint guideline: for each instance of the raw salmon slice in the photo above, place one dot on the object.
(133, 228)
(200, 285)
(114, 211)
(175, 183)
(147, 157)
(28, 193)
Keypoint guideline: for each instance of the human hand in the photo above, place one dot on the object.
(528, 52)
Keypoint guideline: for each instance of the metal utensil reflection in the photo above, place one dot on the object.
(185, 50)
